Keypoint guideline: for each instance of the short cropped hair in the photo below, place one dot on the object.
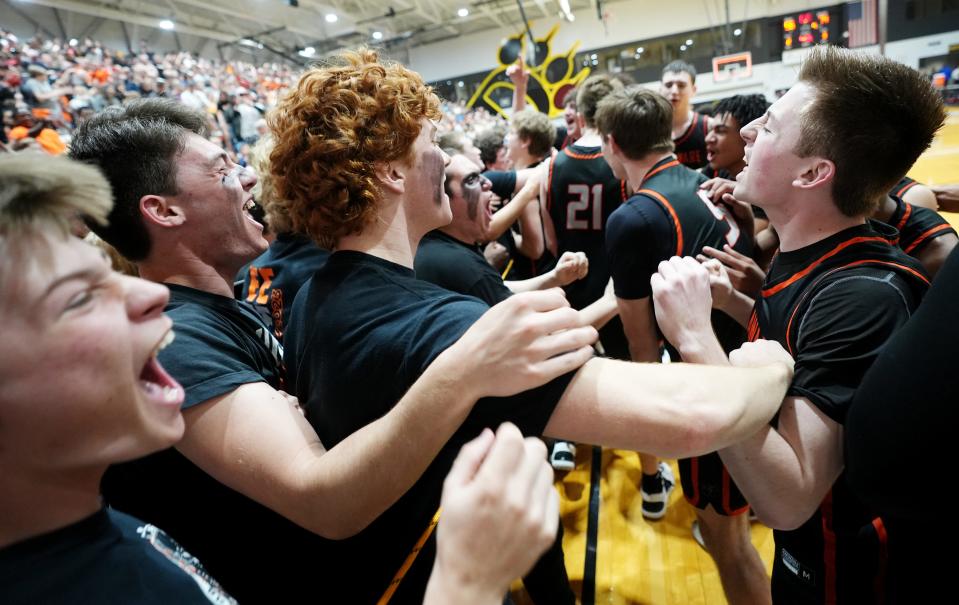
(535, 127)
(333, 128)
(745, 108)
(489, 142)
(593, 90)
(678, 67)
(135, 146)
(871, 116)
(639, 119)
(40, 193)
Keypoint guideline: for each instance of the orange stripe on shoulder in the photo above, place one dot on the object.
(654, 172)
(926, 235)
(906, 188)
(549, 187)
(796, 277)
(582, 156)
(905, 216)
(672, 212)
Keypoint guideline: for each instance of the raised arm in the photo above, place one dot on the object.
(521, 343)
(674, 410)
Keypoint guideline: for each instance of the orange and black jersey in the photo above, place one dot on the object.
(904, 185)
(668, 217)
(582, 194)
(273, 279)
(691, 145)
(833, 305)
(917, 226)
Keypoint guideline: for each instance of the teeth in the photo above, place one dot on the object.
(170, 393)
(249, 205)
(167, 339)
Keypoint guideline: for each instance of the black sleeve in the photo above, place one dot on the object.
(438, 329)
(638, 238)
(846, 323)
(206, 357)
(906, 408)
(490, 289)
(504, 182)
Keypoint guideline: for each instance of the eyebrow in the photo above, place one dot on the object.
(770, 117)
(88, 275)
(220, 156)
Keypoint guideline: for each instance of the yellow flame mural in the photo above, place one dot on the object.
(551, 78)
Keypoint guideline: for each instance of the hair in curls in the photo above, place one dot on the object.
(332, 129)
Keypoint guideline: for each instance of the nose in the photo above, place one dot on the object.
(145, 299)
(748, 132)
(248, 177)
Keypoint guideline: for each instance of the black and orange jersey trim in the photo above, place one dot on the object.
(917, 226)
(904, 185)
(690, 147)
(836, 555)
(582, 194)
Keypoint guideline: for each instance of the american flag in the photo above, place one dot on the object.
(863, 23)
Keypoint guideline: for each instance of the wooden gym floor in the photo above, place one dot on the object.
(659, 563)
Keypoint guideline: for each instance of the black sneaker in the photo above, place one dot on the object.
(654, 502)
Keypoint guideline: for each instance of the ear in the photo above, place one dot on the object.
(161, 210)
(580, 121)
(391, 175)
(818, 173)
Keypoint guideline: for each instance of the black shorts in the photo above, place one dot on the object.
(705, 481)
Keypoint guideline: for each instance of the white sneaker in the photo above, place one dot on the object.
(563, 456)
(654, 503)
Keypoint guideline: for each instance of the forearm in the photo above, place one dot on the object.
(739, 306)
(600, 312)
(352, 480)
(675, 410)
(540, 282)
(532, 244)
(510, 213)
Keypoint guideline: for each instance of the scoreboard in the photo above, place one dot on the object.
(806, 29)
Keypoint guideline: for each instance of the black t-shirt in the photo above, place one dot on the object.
(917, 226)
(273, 279)
(107, 558)
(691, 145)
(906, 407)
(503, 183)
(833, 305)
(449, 263)
(582, 194)
(668, 217)
(220, 345)
(362, 331)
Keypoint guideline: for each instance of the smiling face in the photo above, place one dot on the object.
(80, 386)
(216, 195)
(772, 165)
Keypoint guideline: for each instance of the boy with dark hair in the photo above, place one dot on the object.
(248, 458)
(669, 216)
(724, 146)
(689, 128)
(817, 163)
